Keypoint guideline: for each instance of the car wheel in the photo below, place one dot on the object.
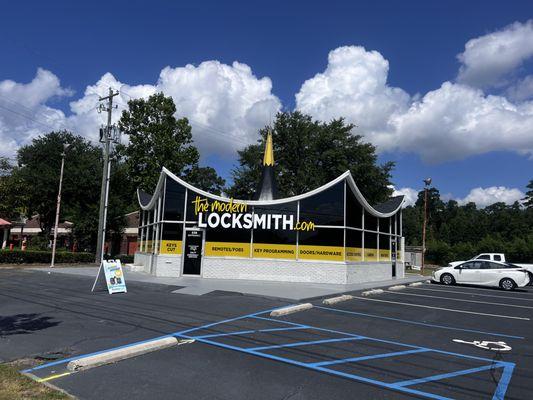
(507, 284)
(447, 279)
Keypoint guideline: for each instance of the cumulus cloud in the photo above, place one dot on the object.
(226, 104)
(483, 197)
(451, 122)
(23, 110)
(522, 90)
(488, 60)
(411, 195)
(486, 196)
(354, 86)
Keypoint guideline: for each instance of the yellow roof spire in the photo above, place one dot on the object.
(268, 159)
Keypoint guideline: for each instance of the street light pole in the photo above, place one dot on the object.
(427, 182)
(65, 147)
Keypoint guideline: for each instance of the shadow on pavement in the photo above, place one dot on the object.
(20, 324)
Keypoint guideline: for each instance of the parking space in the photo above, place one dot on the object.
(428, 341)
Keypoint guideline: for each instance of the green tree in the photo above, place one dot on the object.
(309, 154)
(12, 191)
(38, 171)
(156, 140)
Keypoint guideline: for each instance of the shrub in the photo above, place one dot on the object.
(43, 257)
(438, 252)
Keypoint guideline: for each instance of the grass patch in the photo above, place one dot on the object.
(14, 385)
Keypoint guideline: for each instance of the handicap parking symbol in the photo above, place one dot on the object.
(487, 345)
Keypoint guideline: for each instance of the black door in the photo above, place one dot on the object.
(193, 252)
(393, 256)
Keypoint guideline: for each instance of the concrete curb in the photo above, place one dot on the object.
(290, 309)
(397, 287)
(371, 292)
(416, 284)
(121, 354)
(333, 300)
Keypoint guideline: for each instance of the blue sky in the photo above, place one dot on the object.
(288, 43)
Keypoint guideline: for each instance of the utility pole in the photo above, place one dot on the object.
(106, 136)
(56, 226)
(427, 182)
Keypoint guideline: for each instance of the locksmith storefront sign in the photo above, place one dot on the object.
(236, 216)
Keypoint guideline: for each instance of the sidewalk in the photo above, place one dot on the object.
(280, 290)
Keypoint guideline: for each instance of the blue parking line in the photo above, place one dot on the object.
(499, 394)
(256, 316)
(420, 323)
(312, 342)
(292, 328)
(418, 381)
(65, 360)
(212, 335)
(324, 369)
(372, 357)
(381, 383)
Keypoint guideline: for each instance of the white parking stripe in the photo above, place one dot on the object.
(462, 300)
(441, 308)
(494, 289)
(472, 294)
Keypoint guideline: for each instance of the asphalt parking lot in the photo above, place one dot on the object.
(413, 343)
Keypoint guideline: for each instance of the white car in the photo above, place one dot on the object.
(484, 273)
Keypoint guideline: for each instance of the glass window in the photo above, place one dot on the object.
(384, 242)
(325, 208)
(280, 235)
(354, 238)
(174, 201)
(228, 235)
(371, 222)
(371, 240)
(384, 225)
(484, 257)
(322, 237)
(172, 232)
(497, 257)
(354, 210)
(476, 265)
(191, 198)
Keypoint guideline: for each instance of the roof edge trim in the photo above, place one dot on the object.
(346, 175)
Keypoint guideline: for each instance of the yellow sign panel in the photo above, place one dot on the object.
(384, 255)
(354, 254)
(371, 254)
(148, 246)
(287, 251)
(330, 253)
(222, 249)
(170, 247)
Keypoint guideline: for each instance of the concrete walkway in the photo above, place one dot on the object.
(280, 290)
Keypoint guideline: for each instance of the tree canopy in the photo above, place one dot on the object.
(33, 185)
(310, 153)
(156, 140)
(461, 231)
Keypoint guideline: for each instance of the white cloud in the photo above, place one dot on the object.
(23, 110)
(451, 122)
(487, 60)
(411, 195)
(227, 105)
(354, 86)
(522, 90)
(486, 196)
(483, 197)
